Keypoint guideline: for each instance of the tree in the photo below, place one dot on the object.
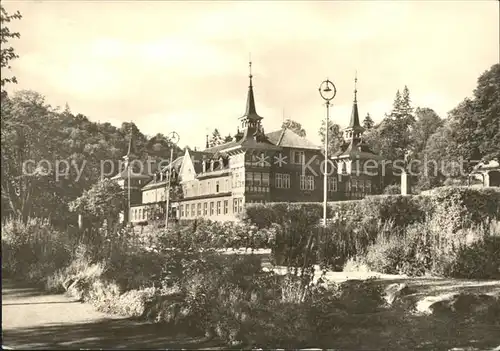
(335, 139)
(27, 139)
(7, 52)
(438, 158)
(477, 120)
(427, 123)
(392, 137)
(406, 111)
(216, 138)
(368, 122)
(103, 201)
(296, 127)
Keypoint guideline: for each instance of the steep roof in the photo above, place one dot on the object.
(176, 164)
(250, 111)
(484, 166)
(133, 174)
(288, 138)
(355, 150)
(354, 120)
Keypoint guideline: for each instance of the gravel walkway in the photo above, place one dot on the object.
(32, 319)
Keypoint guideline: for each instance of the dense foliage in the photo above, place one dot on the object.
(358, 224)
(63, 154)
(470, 133)
(7, 52)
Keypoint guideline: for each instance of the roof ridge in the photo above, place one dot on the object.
(283, 130)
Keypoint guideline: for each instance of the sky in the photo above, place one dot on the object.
(183, 66)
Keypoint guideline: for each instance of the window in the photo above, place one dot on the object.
(237, 183)
(368, 186)
(217, 186)
(182, 210)
(265, 179)
(218, 208)
(248, 179)
(348, 185)
(240, 205)
(235, 205)
(205, 208)
(354, 185)
(257, 179)
(298, 157)
(282, 181)
(306, 182)
(199, 209)
(187, 210)
(332, 184)
(211, 208)
(226, 206)
(361, 186)
(286, 181)
(278, 180)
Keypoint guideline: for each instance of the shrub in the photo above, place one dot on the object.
(480, 260)
(393, 189)
(434, 247)
(470, 205)
(33, 250)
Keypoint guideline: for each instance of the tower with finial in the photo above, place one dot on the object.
(130, 156)
(251, 121)
(354, 130)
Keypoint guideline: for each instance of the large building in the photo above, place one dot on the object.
(257, 167)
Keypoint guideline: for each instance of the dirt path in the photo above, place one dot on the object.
(32, 319)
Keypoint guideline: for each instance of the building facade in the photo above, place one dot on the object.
(258, 167)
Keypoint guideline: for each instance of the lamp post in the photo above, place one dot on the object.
(173, 137)
(327, 91)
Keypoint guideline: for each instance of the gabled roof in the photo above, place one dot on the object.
(355, 150)
(249, 142)
(214, 149)
(133, 174)
(288, 138)
(176, 165)
(485, 166)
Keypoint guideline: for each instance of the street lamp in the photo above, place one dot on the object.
(173, 137)
(327, 91)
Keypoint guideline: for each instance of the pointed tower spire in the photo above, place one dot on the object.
(131, 148)
(206, 144)
(356, 87)
(354, 122)
(250, 112)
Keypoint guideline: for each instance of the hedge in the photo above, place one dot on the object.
(476, 203)
(356, 224)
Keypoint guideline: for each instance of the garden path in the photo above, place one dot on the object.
(33, 319)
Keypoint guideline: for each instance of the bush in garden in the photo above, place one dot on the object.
(467, 206)
(399, 254)
(477, 256)
(34, 249)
